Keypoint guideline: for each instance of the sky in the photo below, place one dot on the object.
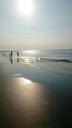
(35, 24)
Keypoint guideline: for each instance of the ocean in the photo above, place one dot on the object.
(36, 88)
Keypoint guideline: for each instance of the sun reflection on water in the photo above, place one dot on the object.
(25, 81)
(32, 52)
(28, 84)
(25, 86)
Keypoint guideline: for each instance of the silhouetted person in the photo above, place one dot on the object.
(10, 57)
(11, 53)
(17, 53)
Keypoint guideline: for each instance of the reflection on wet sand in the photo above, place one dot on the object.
(23, 104)
(11, 60)
(24, 60)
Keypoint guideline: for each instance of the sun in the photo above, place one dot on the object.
(25, 8)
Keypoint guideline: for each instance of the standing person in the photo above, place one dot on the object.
(17, 53)
(10, 57)
(11, 53)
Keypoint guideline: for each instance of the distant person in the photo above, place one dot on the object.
(17, 53)
(11, 54)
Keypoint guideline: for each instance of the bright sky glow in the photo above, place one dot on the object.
(25, 8)
(33, 24)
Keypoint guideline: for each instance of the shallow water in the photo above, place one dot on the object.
(35, 93)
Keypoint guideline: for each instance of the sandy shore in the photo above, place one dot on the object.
(23, 103)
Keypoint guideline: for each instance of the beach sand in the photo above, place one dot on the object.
(23, 103)
(26, 104)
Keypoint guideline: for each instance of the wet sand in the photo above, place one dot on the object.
(26, 104)
(23, 104)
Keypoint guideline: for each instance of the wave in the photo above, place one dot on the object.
(55, 60)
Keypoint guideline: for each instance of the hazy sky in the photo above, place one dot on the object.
(43, 24)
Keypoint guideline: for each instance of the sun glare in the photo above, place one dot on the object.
(25, 8)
